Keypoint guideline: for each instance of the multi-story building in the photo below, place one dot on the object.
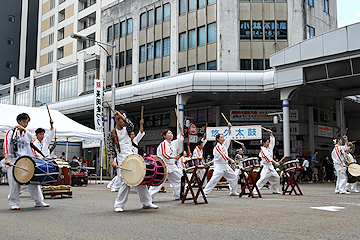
(18, 38)
(160, 38)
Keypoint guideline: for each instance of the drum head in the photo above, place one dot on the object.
(136, 164)
(20, 174)
(354, 169)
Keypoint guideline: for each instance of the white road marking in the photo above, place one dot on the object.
(329, 208)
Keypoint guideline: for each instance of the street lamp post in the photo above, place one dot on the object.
(83, 38)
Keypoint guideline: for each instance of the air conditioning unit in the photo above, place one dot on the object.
(325, 117)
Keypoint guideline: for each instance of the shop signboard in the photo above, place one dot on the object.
(237, 132)
(244, 115)
(325, 131)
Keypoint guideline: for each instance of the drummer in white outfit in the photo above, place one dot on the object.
(42, 142)
(339, 158)
(121, 146)
(268, 172)
(167, 151)
(351, 186)
(221, 166)
(198, 153)
(115, 184)
(23, 137)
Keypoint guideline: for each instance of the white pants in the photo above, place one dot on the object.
(268, 174)
(351, 186)
(124, 191)
(114, 184)
(341, 180)
(174, 179)
(14, 195)
(228, 174)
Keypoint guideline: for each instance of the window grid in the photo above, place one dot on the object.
(22, 98)
(67, 88)
(5, 99)
(43, 94)
(90, 77)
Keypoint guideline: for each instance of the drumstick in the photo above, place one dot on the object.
(48, 111)
(177, 116)
(142, 112)
(15, 133)
(346, 131)
(110, 106)
(19, 167)
(241, 159)
(225, 118)
(238, 142)
(126, 169)
(265, 128)
(282, 159)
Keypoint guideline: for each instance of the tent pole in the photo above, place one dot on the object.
(67, 149)
(101, 161)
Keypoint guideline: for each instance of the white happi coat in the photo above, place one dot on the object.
(166, 149)
(43, 146)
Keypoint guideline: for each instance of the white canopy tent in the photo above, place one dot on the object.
(67, 130)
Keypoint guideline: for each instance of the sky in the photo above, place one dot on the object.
(348, 12)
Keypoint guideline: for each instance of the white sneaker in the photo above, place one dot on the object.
(344, 192)
(151, 206)
(119, 209)
(113, 190)
(277, 192)
(234, 194)
(42, 204)
(355, 190)
(14, 207)
(336, 192)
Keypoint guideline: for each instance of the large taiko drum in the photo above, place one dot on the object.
(64, 177)
(353, 172)
(150, 171)
(290, 166)
(35, 170)
(248, 163)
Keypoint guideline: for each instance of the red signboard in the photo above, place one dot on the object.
(193, 129)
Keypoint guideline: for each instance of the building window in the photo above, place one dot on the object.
(9, 64)
(182, 41)
(128, 82)
(245, 32)
(68, 88)
(117, 61)
(108, 66)
(50, 57)
(182, 7)
(326, 6)
(60, 52)
(143, 21)
(51, 39)
(43, 94)
(211, 65)
(61, 1)
(87, 21)
(211, 2)
(90, 77)
(245, 64)
(156, 76)
(267, 64)
(10, 41)
(211, 32)
(192, 38)
(166, 46)
(60, 34)
(150, 18)
(257, 30)
(158, 49)
(201, 3)
(129, 26)
(116, 31)
(182, 70)
(142, 79)
(201, 36)
(281, 29)
(158, 15)
(11, 18)
(22, 98)
(5, 99)
(142, 53)
(166, 15)
(191, 68)
(166, 74)
(61, 15)
(192, 5)
(121, 84)
(310, 2)
(150, 51)
(110, 34)
(148, 78)
(52, 4)
(88, 43)
(258, 64)
(201, 66)
(270, 30)
(122, 29)
(310, 32)
(122, 62)
(128, 57)
(52, 21)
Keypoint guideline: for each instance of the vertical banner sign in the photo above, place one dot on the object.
(98, 105)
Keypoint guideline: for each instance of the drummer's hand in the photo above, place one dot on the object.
(142, 121)
(51, 122)
(21, 128)
(345, 137)
(117, 114)
(180, 127)
(177, 156)
(113, 164)
(229, 125)
(344, 165)
(7, 161)
(232, 161)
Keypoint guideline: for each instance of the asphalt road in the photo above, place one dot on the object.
(89, 215)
